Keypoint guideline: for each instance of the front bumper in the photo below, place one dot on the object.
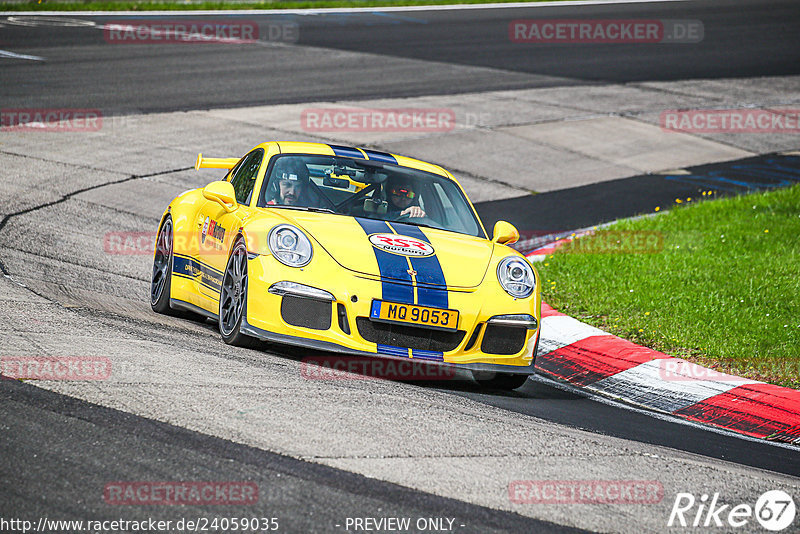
(341, 324)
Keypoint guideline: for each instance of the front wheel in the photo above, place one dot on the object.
(161, 280)
(504, 381)
(233, 298)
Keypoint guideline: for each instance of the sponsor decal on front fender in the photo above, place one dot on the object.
(403, 245)
(212, 228)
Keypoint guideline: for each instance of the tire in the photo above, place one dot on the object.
(504, 381)
(161, 280)
(233, 298)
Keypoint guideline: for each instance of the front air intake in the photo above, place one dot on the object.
(308, 313)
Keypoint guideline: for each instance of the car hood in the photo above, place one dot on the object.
(391, 250)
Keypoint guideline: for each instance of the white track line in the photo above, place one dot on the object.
(319, 11)
(14, 55)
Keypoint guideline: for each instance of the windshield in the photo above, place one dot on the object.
(369, 189)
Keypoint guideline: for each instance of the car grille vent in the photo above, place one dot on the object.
(344, 325)
(410, 337)
(474, 337)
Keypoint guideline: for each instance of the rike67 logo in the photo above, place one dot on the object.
(774, 510)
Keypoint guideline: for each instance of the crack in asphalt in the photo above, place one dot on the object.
(68, 196)
(76, 165)
(75, 264)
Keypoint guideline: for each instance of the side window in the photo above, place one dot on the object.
(244, 177)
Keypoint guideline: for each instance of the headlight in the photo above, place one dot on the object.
(516, 277)
(290, 246)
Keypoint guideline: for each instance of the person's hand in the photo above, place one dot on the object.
(413, 211)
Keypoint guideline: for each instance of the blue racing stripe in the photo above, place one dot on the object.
(390, 266)
(380, 156)
(346, 151)
(427, 355)
(392, 351)
(429, 271)
(191, 268)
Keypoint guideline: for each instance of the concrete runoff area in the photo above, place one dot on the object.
(501, 144)
(86, 300)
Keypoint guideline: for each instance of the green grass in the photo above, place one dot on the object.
(134, 5)
(723, 290)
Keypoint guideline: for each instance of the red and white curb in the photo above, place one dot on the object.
(587, 357)
(541, 252)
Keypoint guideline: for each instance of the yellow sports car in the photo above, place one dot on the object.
(352, 251)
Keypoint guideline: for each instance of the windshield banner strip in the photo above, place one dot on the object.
(429, 271)
(390, 266)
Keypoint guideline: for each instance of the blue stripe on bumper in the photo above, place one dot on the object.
(426, 355)
(392, 351)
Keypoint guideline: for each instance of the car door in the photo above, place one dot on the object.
(218, 227)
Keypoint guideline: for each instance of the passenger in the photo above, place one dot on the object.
(403, 200)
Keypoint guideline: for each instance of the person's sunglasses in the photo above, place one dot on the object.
(407, 193)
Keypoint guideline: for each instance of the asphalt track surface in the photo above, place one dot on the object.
(302, 496)
(743, 39)
(464, 51)
(590, 205)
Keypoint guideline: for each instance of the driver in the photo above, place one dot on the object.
(289, 185)
(403, 200)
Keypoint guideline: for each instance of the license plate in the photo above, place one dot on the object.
(419, 315)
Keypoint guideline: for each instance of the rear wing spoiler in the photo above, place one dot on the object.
(214, 163)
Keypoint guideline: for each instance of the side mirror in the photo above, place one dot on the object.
(505, 233)
(223, 193)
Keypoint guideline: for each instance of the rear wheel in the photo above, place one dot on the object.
(504, 381)
(233, 298)
(160, 282)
